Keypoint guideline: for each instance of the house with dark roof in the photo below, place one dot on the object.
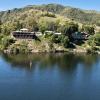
(80, 36)
(23, 34)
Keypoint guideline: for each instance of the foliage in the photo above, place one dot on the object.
(46, 23)
(68, 28)
(49, 14)
(23, 47)
(55, 39)
(91, 41)
(7, 41)
(8, 27)
(97, 39)
(88, 29)
(48, 34)
(51, 17)
(31, 24)
(64, 40)
(72, 13)
(94, 40)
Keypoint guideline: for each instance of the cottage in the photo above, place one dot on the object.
(48, 32)
(80, 36)
(24, 30)
(38, 34)
(51, 32)
(57, 33)
(23, 34)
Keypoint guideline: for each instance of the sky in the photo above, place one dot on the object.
(83, 4)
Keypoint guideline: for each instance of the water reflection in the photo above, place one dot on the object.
(65, 62)
(50, 77)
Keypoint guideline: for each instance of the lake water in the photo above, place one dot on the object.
(50, 77)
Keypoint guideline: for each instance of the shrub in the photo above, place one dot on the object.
(91, 41)
(55, 39)
(94, 40)
(23, 47)
(97, 39)
(6, 41)
(65, 42)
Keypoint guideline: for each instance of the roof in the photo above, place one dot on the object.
(58, 33)
(80, 33)
(24, 29)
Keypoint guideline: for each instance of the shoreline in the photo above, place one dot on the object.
(75, 51)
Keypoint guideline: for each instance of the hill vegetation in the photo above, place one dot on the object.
(51, 17)
(82, 16)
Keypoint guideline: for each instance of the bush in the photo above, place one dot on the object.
(47, 35)
(6, 41)
(23, 47)
(91, 41)
(49, 14)
(89, 29)
(64, 40)
(94, 40)
(55, 39)
(97, 39)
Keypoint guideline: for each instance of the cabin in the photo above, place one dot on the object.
(52, 32)
(80, 36)
(23, 34)
(38, 34)
(57, 33)
(48, 32)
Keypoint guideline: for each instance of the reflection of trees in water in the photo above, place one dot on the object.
(67, 62)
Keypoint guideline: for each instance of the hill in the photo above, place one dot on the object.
(79, 15)
(55, 18)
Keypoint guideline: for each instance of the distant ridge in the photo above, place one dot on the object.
(77, 14)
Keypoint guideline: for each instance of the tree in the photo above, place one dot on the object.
(50, 24)
(68, 28)
(88, 29)
(8, 27)
(6, 41)
(43, 25)
(64, 40)
(97, 39)
(32, 24)
(94, 40)
(55, 38)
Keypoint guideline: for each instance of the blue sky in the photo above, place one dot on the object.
(84, 4)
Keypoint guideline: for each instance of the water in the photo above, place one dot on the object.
(50, 77)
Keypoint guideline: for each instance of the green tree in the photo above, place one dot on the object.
(88, 29)
(68, 28)
(8, 27)
(6, 41)
(31, 24)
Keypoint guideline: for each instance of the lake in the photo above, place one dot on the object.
(50, 77)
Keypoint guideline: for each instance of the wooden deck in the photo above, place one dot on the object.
(23, 35)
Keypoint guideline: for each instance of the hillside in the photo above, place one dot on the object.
(79, 15)
(78, 29)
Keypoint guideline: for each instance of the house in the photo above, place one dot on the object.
(48, 32)
(24, 30)
(57, 33)
(23, 34)
(52, 32)
(38, 34)
(80, 36)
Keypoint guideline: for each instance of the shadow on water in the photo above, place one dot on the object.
(65, 62)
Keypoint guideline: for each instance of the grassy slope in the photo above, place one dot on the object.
(79, 15)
